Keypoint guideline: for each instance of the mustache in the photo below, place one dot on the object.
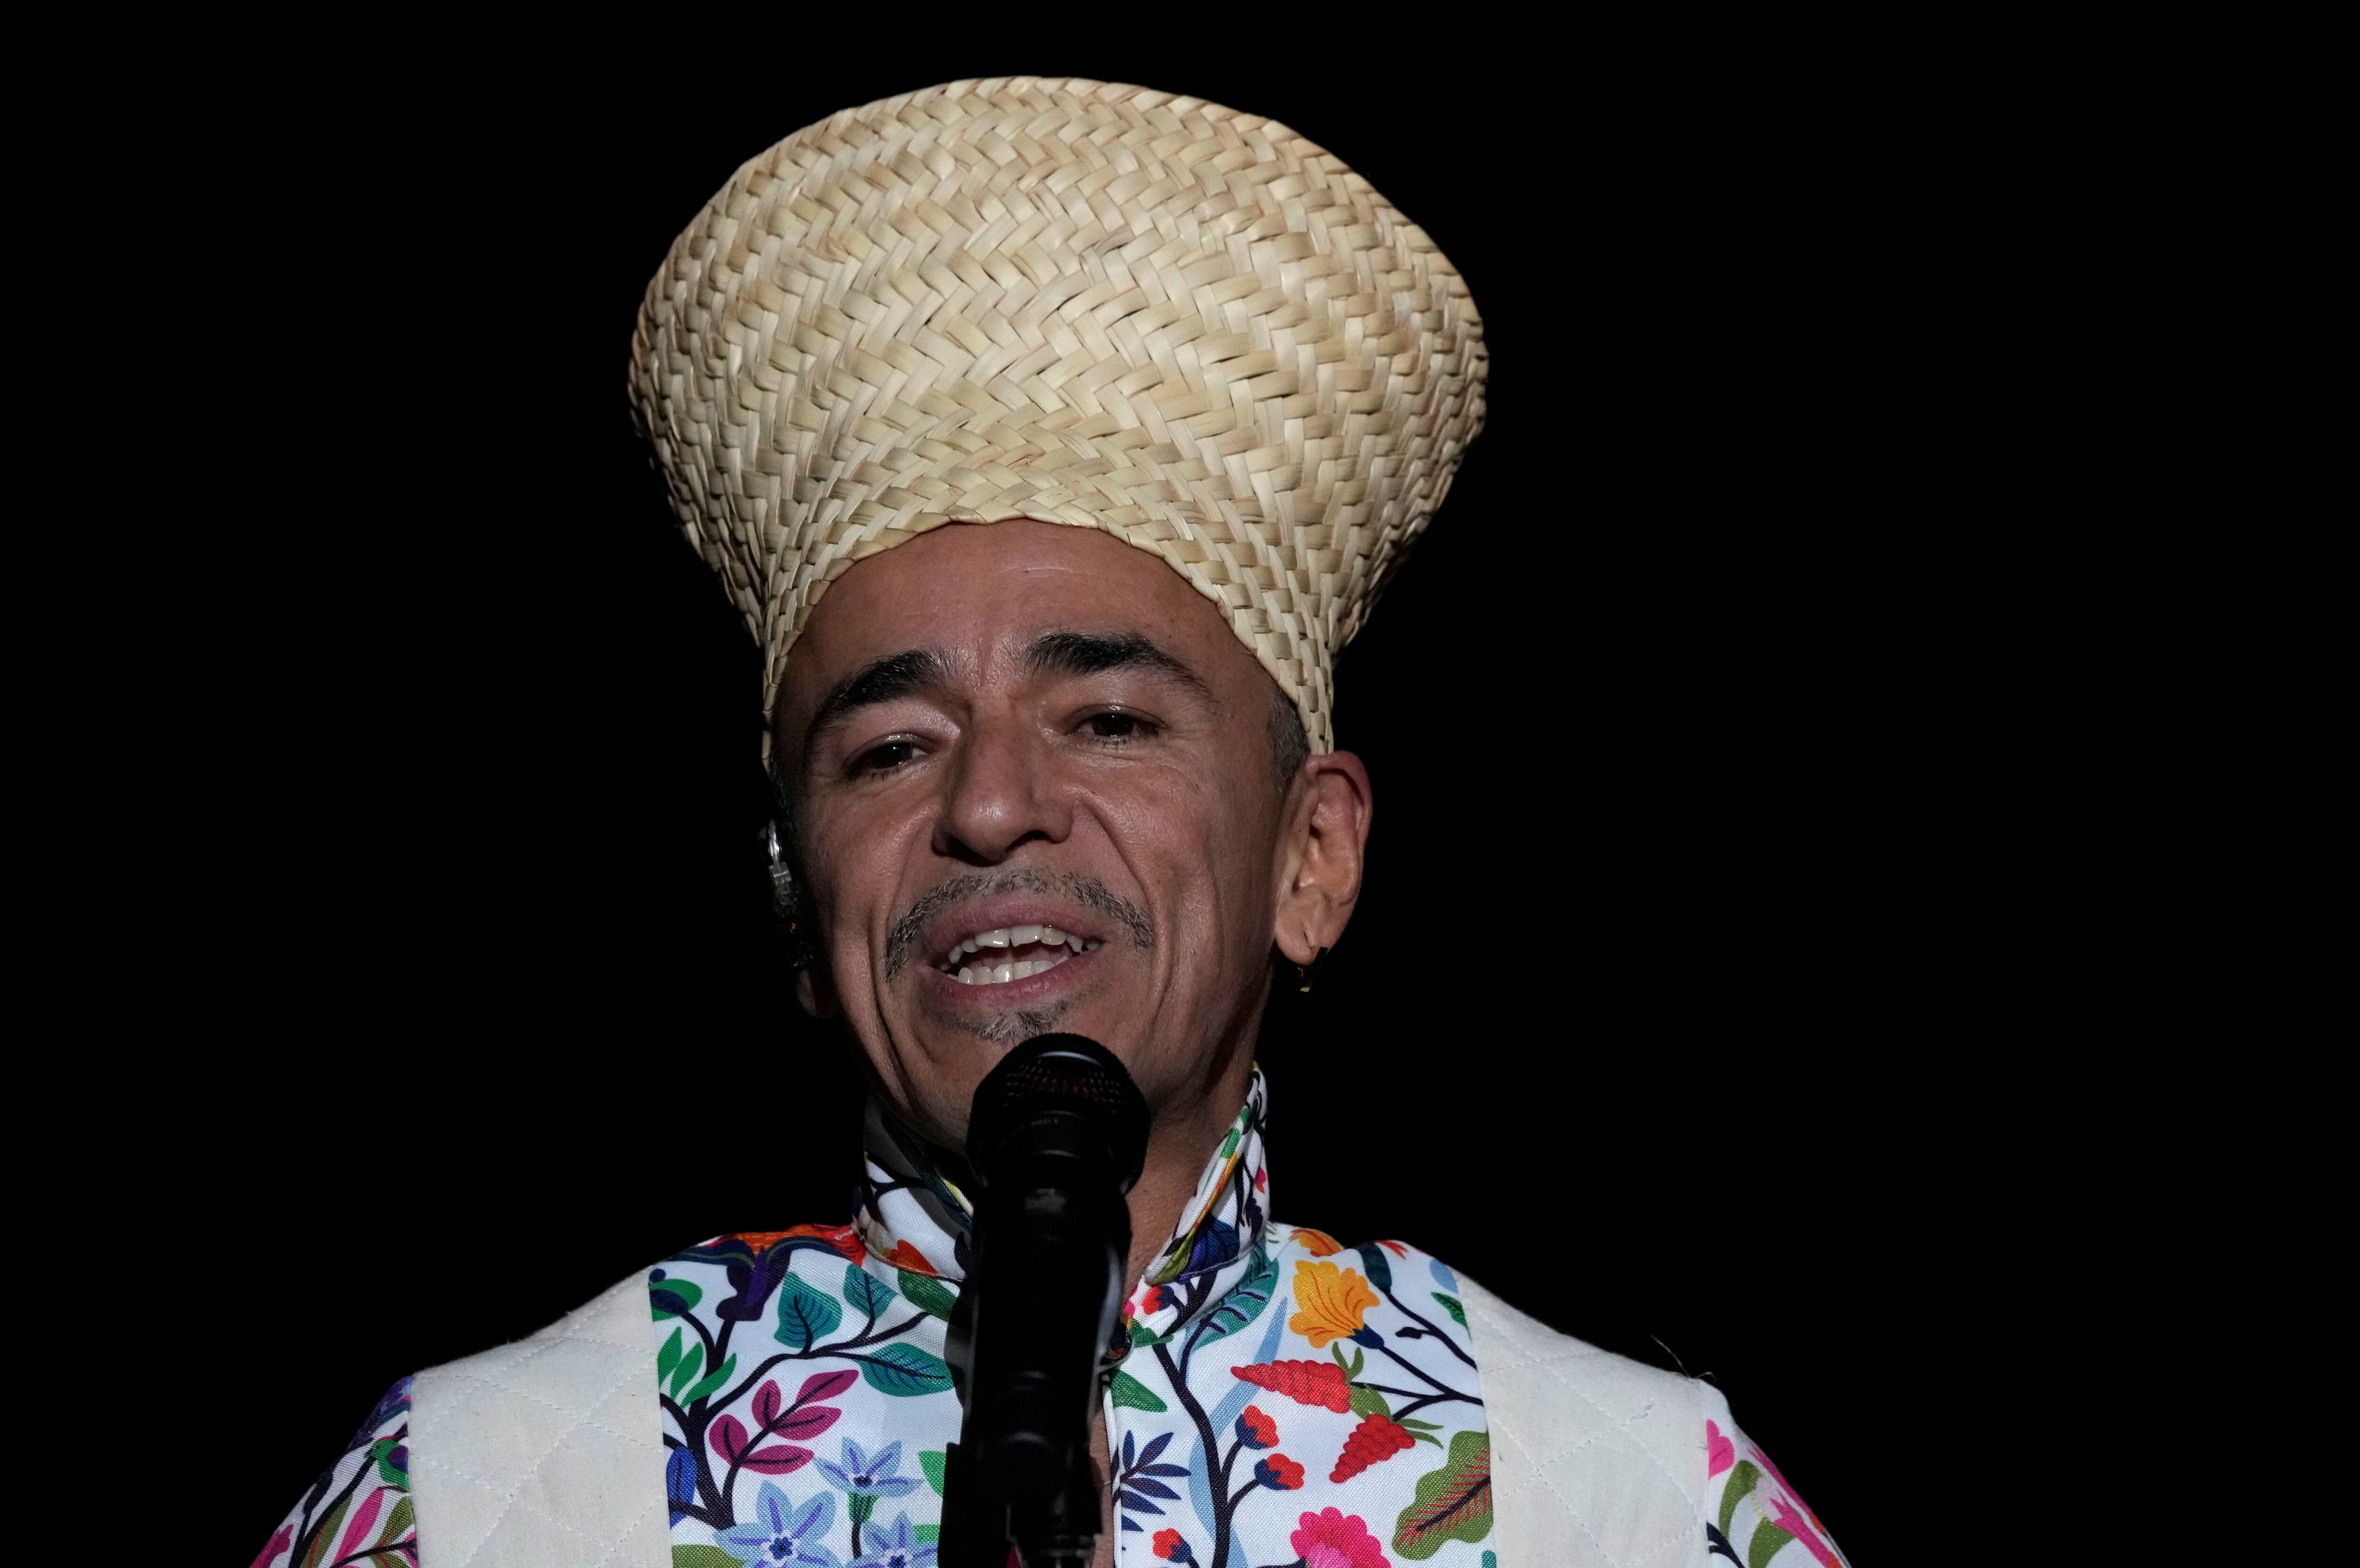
(901, 941)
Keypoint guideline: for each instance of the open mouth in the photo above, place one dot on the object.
(1010, 953)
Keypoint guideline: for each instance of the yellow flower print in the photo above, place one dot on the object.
(1318, 1244)
(1333, 1302)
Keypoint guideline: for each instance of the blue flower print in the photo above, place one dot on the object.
(898, 1547)
(780, 1533)
(870, 1474)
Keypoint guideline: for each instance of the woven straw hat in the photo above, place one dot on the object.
(1066, 301)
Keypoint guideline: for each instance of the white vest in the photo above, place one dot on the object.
(547, 1452)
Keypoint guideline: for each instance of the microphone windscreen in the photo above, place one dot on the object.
(1061, 1077)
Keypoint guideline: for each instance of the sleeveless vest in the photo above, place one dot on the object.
(782, 1398)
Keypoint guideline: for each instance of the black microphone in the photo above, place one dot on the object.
(1057, 1136)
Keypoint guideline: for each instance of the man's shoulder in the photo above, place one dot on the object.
(1584, 1444)
(487, 1430)
(1501, 1330)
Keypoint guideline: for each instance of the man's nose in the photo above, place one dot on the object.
(1001, 793)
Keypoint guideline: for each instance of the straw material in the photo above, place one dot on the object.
(1087, 304)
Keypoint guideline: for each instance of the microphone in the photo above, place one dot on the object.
(1057, 1136)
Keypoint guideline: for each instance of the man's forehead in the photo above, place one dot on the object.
(1018, 595)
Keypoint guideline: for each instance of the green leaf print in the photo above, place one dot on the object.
(905, 1372)
(399, 1519)
(1131, 1394)
(1241, 1306)
(1450, 1305)
(928, 1294)
(322, 1542)
(702, 1557)
(668, 1357)
(1741, 1480)
(687, 1368)
(1453, 1503)
(806, 1314)
(1375, 1264)
(1369, 1402)
(710, 1382)
(1767, 1539)
(930, 1460)
(868, 1295)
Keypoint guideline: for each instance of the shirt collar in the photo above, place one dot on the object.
(912, 1216)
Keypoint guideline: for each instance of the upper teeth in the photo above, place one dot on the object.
(1006, 939)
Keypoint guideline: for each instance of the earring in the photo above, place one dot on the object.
(1307, 973)
(783, 902)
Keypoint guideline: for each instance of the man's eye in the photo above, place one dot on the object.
(885, 758)
(1119, 726)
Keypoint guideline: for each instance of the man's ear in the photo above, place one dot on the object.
(1328, 811)
(815, 990)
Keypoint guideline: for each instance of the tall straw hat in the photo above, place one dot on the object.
(1073, 302)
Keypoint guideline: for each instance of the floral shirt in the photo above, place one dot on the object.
(358, 1514)
(1275, 1399)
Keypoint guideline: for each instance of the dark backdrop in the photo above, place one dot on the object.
(1669, 962)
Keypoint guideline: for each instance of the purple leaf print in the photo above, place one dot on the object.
(730, 1440)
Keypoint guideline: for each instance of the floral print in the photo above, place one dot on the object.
(1334, 1301)
(358, 1514)
(1275, 1397)
(1267, 1383)
(1757, 1520)
(780, 1533)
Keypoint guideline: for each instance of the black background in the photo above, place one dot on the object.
(1674, 960)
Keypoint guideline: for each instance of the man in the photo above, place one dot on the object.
(1052, 437)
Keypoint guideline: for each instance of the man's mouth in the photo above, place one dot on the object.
(1012, 952)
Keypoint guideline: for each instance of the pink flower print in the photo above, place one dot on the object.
(1330, 1539)
(1720, 1453)
(1794, 1515)
(1784, 1515)
(278, 1544)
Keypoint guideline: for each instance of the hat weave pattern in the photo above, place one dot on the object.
(1083, 303)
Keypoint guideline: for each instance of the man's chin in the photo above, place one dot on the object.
(1017, 1025)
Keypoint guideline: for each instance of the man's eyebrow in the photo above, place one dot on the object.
(895, 675)
(1088, 654)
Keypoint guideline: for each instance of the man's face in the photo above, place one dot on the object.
(1033, 789)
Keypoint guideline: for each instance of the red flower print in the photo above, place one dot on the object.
(1256, 1429)
(1170, 1547)
(1329, 1538)
(840, 1237)
(904, 1256)
(1279, 1473)
(1320, 1383)
(1377, 1438)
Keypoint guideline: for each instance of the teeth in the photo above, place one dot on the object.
(1007, 938)
(1000, 974)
